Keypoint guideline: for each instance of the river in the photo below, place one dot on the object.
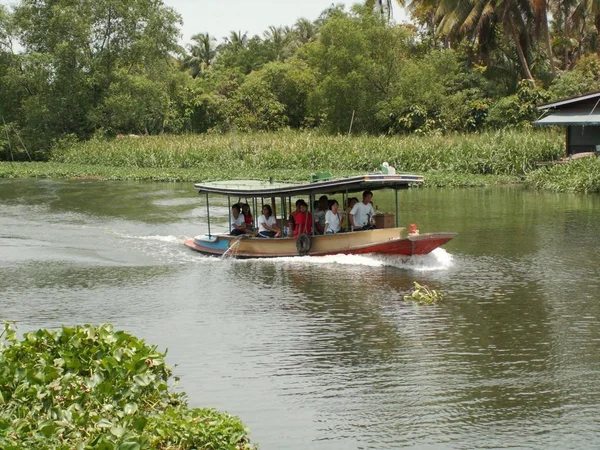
(324, 353)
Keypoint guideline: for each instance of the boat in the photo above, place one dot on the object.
(387, 238)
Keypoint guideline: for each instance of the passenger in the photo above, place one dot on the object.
(332, 219)
(345, 221)
(236, 221)
(298, 203)
(360, 216)
(291, 224)
(267, 227)
(304, 220)
(319, 214)
(248, 216)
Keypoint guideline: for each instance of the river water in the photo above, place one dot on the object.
(323, 353)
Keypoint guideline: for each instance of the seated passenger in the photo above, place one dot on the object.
(297, 210)
(291, 224)
(267, 227)
(332, 219)
(236, 221)
(360, 216)
(248, 216)
(304, 220)
(319, 214)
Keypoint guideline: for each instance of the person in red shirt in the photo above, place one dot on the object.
(304, 220)
(248, 216)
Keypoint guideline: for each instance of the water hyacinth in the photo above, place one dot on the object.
(94, 387)
(423, 295)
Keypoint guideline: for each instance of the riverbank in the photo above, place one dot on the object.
(107, 173)
(478, 159)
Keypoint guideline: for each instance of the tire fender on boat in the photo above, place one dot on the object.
(303, 244)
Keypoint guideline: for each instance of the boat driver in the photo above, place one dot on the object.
(361, 213)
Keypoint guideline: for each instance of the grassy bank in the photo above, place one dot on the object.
(457, 160)
(99, 172)
(239, 155)
(581, 175)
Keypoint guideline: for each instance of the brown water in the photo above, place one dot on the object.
(323, 353)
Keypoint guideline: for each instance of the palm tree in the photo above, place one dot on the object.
(305, 30)
(383, 7)
(541, 13)
(236, 40)
(593, 9)
(201, 55)
(478, 19)
(278, 38)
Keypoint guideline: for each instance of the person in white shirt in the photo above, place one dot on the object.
(332, 219)
(267, 227)
(237, 222)
(361, 213)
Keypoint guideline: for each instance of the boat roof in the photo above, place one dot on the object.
(259, 188)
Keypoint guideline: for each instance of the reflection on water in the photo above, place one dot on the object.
(323, 352)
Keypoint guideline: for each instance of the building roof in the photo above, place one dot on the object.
(570, 118)
(571, 100)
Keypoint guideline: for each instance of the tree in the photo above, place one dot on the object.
(202, 54)
(74, 51)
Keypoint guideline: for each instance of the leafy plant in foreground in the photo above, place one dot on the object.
(422, 295)
(93, 387)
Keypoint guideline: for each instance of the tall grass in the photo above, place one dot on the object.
(505, 152)
(580, 175)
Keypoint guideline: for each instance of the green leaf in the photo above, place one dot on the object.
(130, 408)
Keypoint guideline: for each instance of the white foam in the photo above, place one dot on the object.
(439, 259)
(170, 239)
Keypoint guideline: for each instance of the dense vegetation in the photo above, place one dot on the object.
(581, 175)
(86, 69)
(490, 153)
(476, 159)
(93, 387)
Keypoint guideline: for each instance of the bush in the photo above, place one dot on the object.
(93, 387)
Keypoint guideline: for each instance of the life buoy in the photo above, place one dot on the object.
(303, 243)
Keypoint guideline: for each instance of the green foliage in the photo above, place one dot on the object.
(583, 79)
(93, 387)
(519, 109)
(580, 175)
(422, 295)
(356, 59)
(493, 153)
(435, 93)
(87, 65)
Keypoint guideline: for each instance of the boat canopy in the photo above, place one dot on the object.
(258, 188)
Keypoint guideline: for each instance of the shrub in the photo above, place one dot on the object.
(93, 387)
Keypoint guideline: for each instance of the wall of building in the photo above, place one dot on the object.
(583, 139)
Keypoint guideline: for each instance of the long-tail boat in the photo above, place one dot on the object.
(390, 239)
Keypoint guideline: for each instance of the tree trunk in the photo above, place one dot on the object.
(548, 41)
(597, 23)
(522, 58)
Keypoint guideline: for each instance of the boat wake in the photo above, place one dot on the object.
(439, 259)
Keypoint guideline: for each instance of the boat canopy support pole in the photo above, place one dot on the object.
(396, 215)
(283, 215)
(310, 208)
(208, 215)
(346, 213)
